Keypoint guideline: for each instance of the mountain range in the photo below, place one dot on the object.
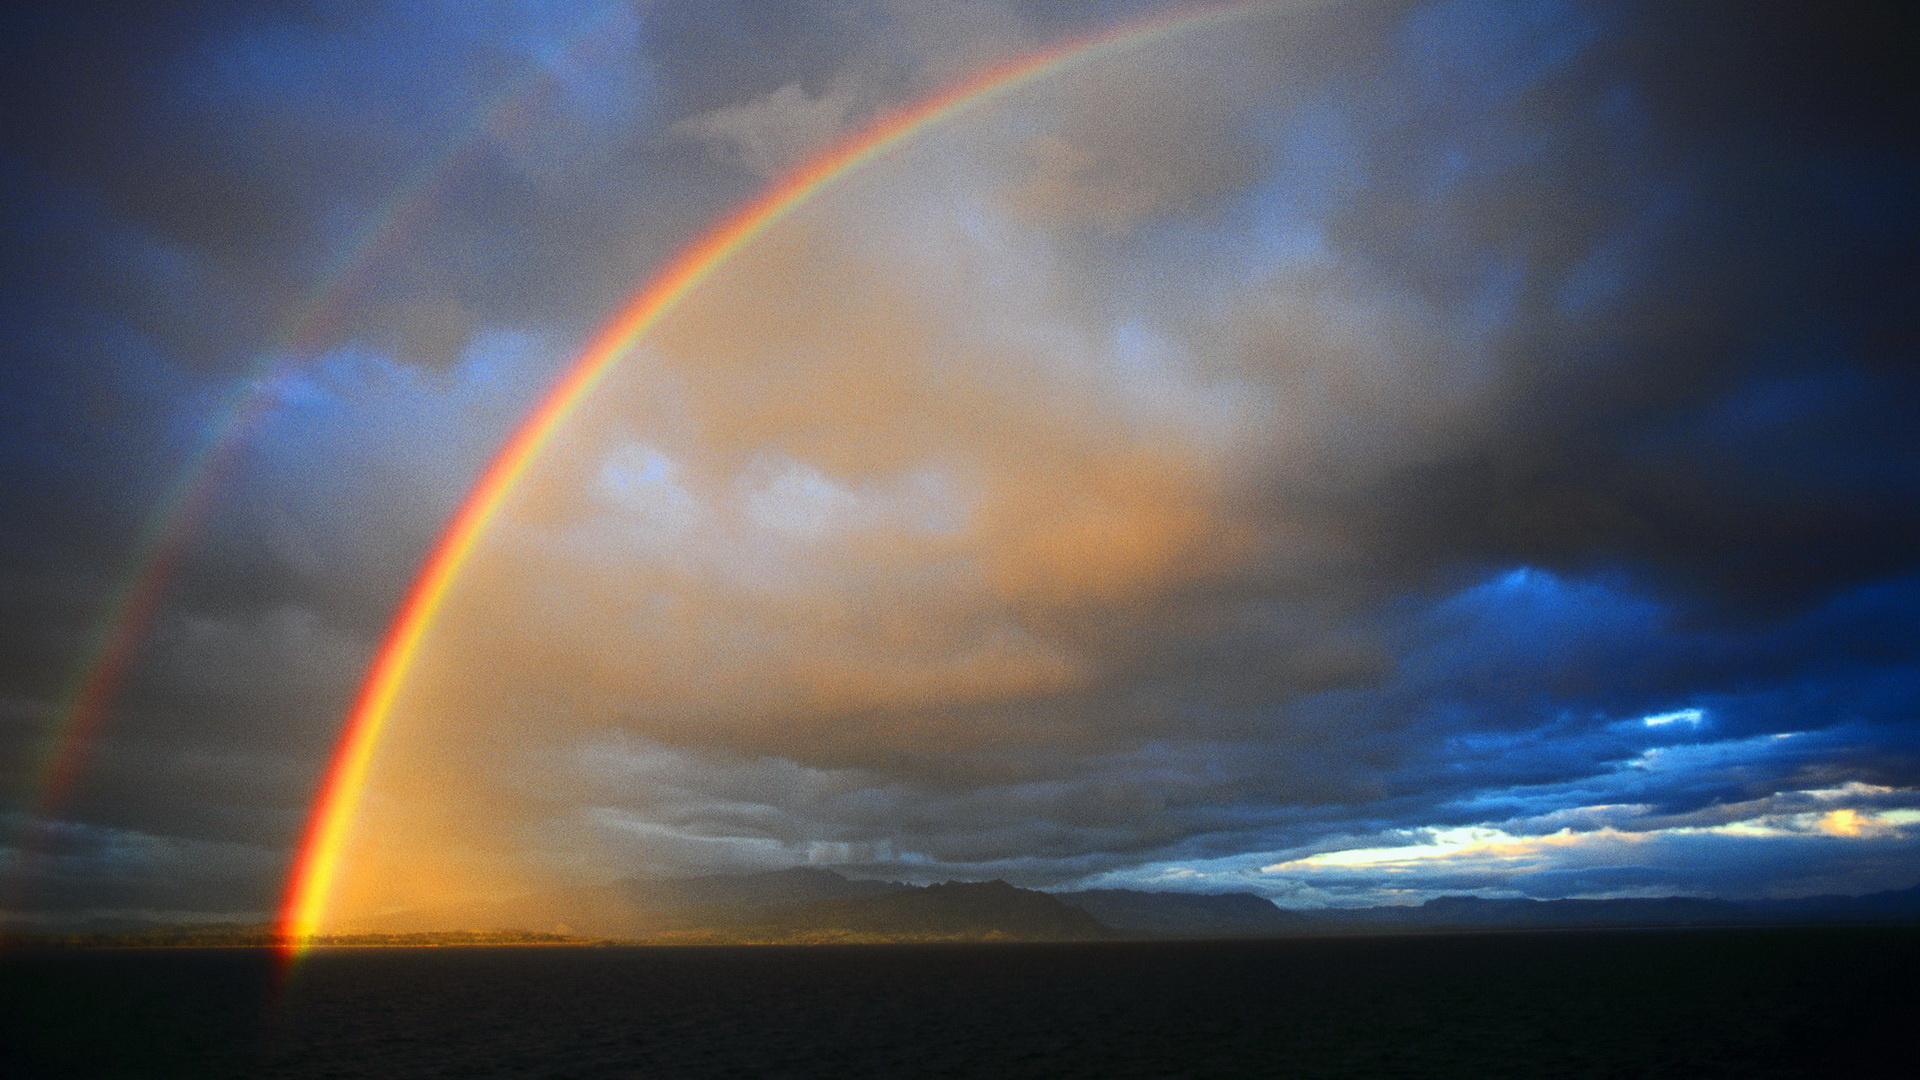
(806, 905)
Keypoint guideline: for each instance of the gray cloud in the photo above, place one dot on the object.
(770, 134)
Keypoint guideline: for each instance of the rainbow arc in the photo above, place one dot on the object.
(322, 848)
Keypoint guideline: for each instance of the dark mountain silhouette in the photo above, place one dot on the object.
(1472, 912)
(1896, 905)
(1162, 914)
(806, 904)
(1476, 911)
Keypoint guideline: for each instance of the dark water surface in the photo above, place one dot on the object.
(1681, 1003)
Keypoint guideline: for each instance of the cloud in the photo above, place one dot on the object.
(936, 43)
(1139, 142)
(1803, 852)
(94, 872)
(772, 133)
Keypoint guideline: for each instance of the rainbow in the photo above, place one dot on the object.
(318, 859)
(171, 526)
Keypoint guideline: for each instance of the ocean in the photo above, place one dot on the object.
(1737, 1003)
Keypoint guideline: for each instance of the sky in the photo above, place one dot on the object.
(1348, 452)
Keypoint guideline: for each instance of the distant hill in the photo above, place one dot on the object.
(807, 904)
(1898, 905)
(1473, 912)
(1166, 914)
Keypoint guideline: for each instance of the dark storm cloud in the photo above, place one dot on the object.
(1693, 289)
(1701, 273)
(90, 873)
(1689, 297)
(179, 179)
(216, 164)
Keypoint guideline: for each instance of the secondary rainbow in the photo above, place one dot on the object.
(317, 863)
(175, 520)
